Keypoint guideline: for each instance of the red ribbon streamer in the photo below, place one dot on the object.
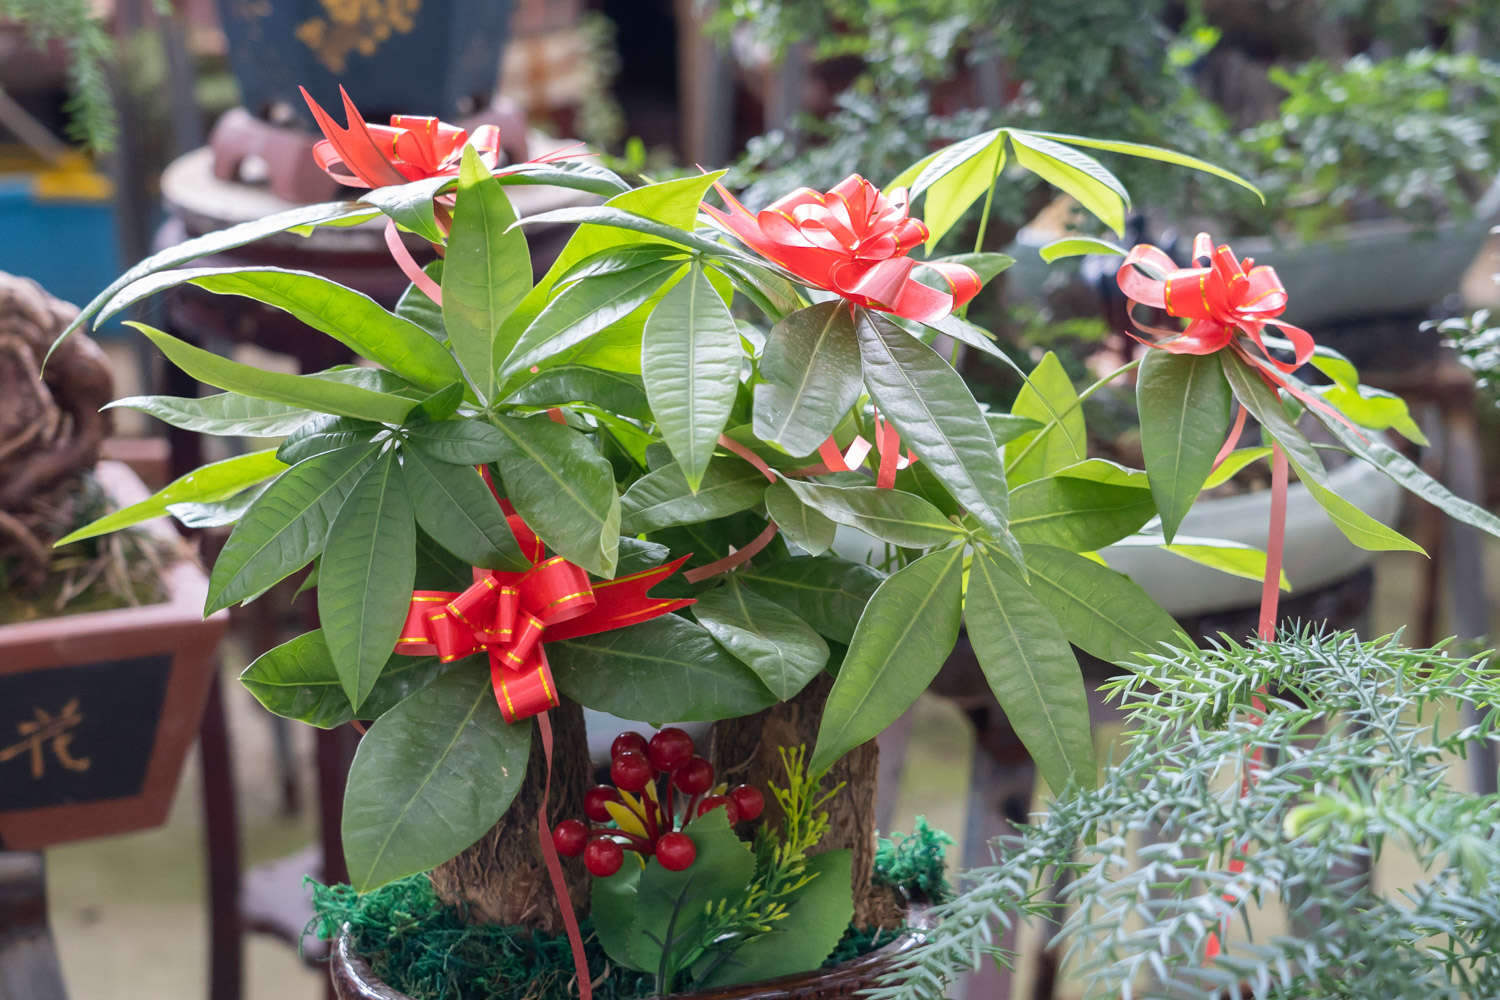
(554, 868)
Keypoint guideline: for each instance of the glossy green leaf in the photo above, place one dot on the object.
(1031, 670)
(950, 194)
(307, 391)
(800, 524)
(961, 330)
(365, 577)
(783, 650)
(286, 526)
(1265, 406)
(323, 434)
(350, 317)
(576, 175)
(987, 264)
(931, 407)
(1079, 515)
(906, 632)
(827, 592)
(1076, 246)
(227, 414)
(456, 508)
(415, 307)
(1008, 426)
(690, 364)
(410, 205)
(662, 497)
(902, 519)
(812, 377)
(632, 222)
(215, 513)
(1149, 152)
(582, 310)
(210, 243)
(1102, 470)
(458, 442)
(215, 481)
(1357, 526)
(667, 669)
(486, 272)
(1222, 554)
(1074, 173)
(564, 489)
(1233, 463)
(430, 778)
(922, 175)
(1374, 409)
(1049, 398)
(615, 392)
(806, 936)
(1100, 611)
(1185, 405)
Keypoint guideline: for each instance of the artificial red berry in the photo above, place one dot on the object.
(627, 742)
(669, 749)
(715, 801)
(747, 800)
(603, 857)
(630, 771)
(676, 851)
(570, 836)
(594, 801)
(694, 777)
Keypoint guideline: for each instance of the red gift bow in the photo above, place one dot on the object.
(853, 241)
(510, 615)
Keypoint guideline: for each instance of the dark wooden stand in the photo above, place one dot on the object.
(29, 969)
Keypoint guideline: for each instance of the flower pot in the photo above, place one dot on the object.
(438, 59)
(97, 710)
(1316, 553)
(353, 980)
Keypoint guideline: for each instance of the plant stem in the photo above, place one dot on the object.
(984, 225)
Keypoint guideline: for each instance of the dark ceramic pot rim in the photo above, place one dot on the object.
(353, 979)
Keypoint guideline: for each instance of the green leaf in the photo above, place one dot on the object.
(811, 371)
(1076, 246)
(827, 592)
(1079, 515)
(564, 489)
(806, 936)
(690, 363)
(576, 175)
(297, 680)
(893, 516)
(667, 669)
(410, 205)
(1185, 406)
(1265, 406)
(1102, 470)
(662, 498)
(459, 442)
(921, 176)
(1008, 426)
(987, 265)
(415, 307)
(1233, 463)
(1357, 526)
(906, 632)
(227, 414)
(938, 419)
(800, 524)
(1049, 398)
(614, 392)
(455, 507)
(1222, 554)
(1402, 471)
(632, 222)
(323, 434)
(286, 526)
(1374, 409)
(1032, 671)
(486, 272)
(216, 513)
(1074, 173)
(365, 577)
(215, 481)
(210, 243)
(430, 778)
(781, 648)
(1148, 152)
(582, 310)
(352, 318)
(308, 391)
(950, 193)
(1101, 612)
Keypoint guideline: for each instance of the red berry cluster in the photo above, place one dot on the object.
(680, 777)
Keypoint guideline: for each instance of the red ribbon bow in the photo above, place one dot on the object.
(853, 241)
(511, 615)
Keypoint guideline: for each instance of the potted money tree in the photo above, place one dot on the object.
(619, 487)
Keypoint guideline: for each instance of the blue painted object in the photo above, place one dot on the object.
(67, 244)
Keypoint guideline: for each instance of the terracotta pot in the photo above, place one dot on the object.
(97, 710)
(353, 980)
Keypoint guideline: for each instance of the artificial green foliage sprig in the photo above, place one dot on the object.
(1354, 742)
(914, 863)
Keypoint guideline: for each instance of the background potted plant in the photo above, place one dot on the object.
(518, 478)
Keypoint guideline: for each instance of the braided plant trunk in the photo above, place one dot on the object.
(502, 879)
(747, 750)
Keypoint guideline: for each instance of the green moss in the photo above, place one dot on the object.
(914, 863)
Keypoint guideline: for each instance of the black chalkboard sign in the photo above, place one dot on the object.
(77, 734)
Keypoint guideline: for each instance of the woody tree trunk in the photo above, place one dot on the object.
(503, 879)
(748, 750)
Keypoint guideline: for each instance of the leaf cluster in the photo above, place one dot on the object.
(1348, 746)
